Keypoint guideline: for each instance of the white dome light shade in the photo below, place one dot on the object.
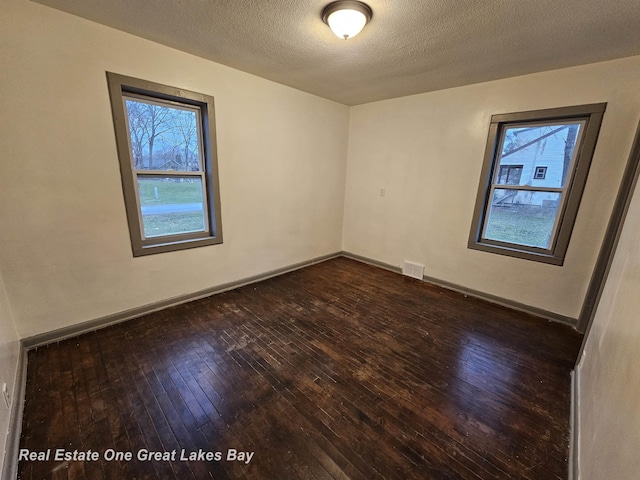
(346, 23)
(346, 18)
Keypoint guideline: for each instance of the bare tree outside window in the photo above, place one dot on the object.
(162, 136)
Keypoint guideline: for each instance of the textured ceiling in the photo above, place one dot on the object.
(410, 46)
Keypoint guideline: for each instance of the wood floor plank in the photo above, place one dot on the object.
(336, 371)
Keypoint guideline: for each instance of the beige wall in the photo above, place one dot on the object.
(609, 370)
(427, 151)
(66, 256)
(9, 351)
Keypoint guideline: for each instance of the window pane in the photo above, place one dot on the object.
(510, 174)
(163, 137)
(522, 217)
(525, 149)
(171, 205)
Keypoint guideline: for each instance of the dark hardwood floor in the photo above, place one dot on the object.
(340, 370)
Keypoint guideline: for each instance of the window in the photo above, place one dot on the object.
(510, 174)
(541, 173)
(525, 210)
(167, 151)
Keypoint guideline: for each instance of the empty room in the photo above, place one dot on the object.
(319, 240)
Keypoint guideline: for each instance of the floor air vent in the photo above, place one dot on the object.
(414, 270)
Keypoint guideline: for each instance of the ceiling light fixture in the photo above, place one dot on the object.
(346, 18)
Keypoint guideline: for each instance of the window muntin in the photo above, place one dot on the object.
(166, 147)
(534, 174)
